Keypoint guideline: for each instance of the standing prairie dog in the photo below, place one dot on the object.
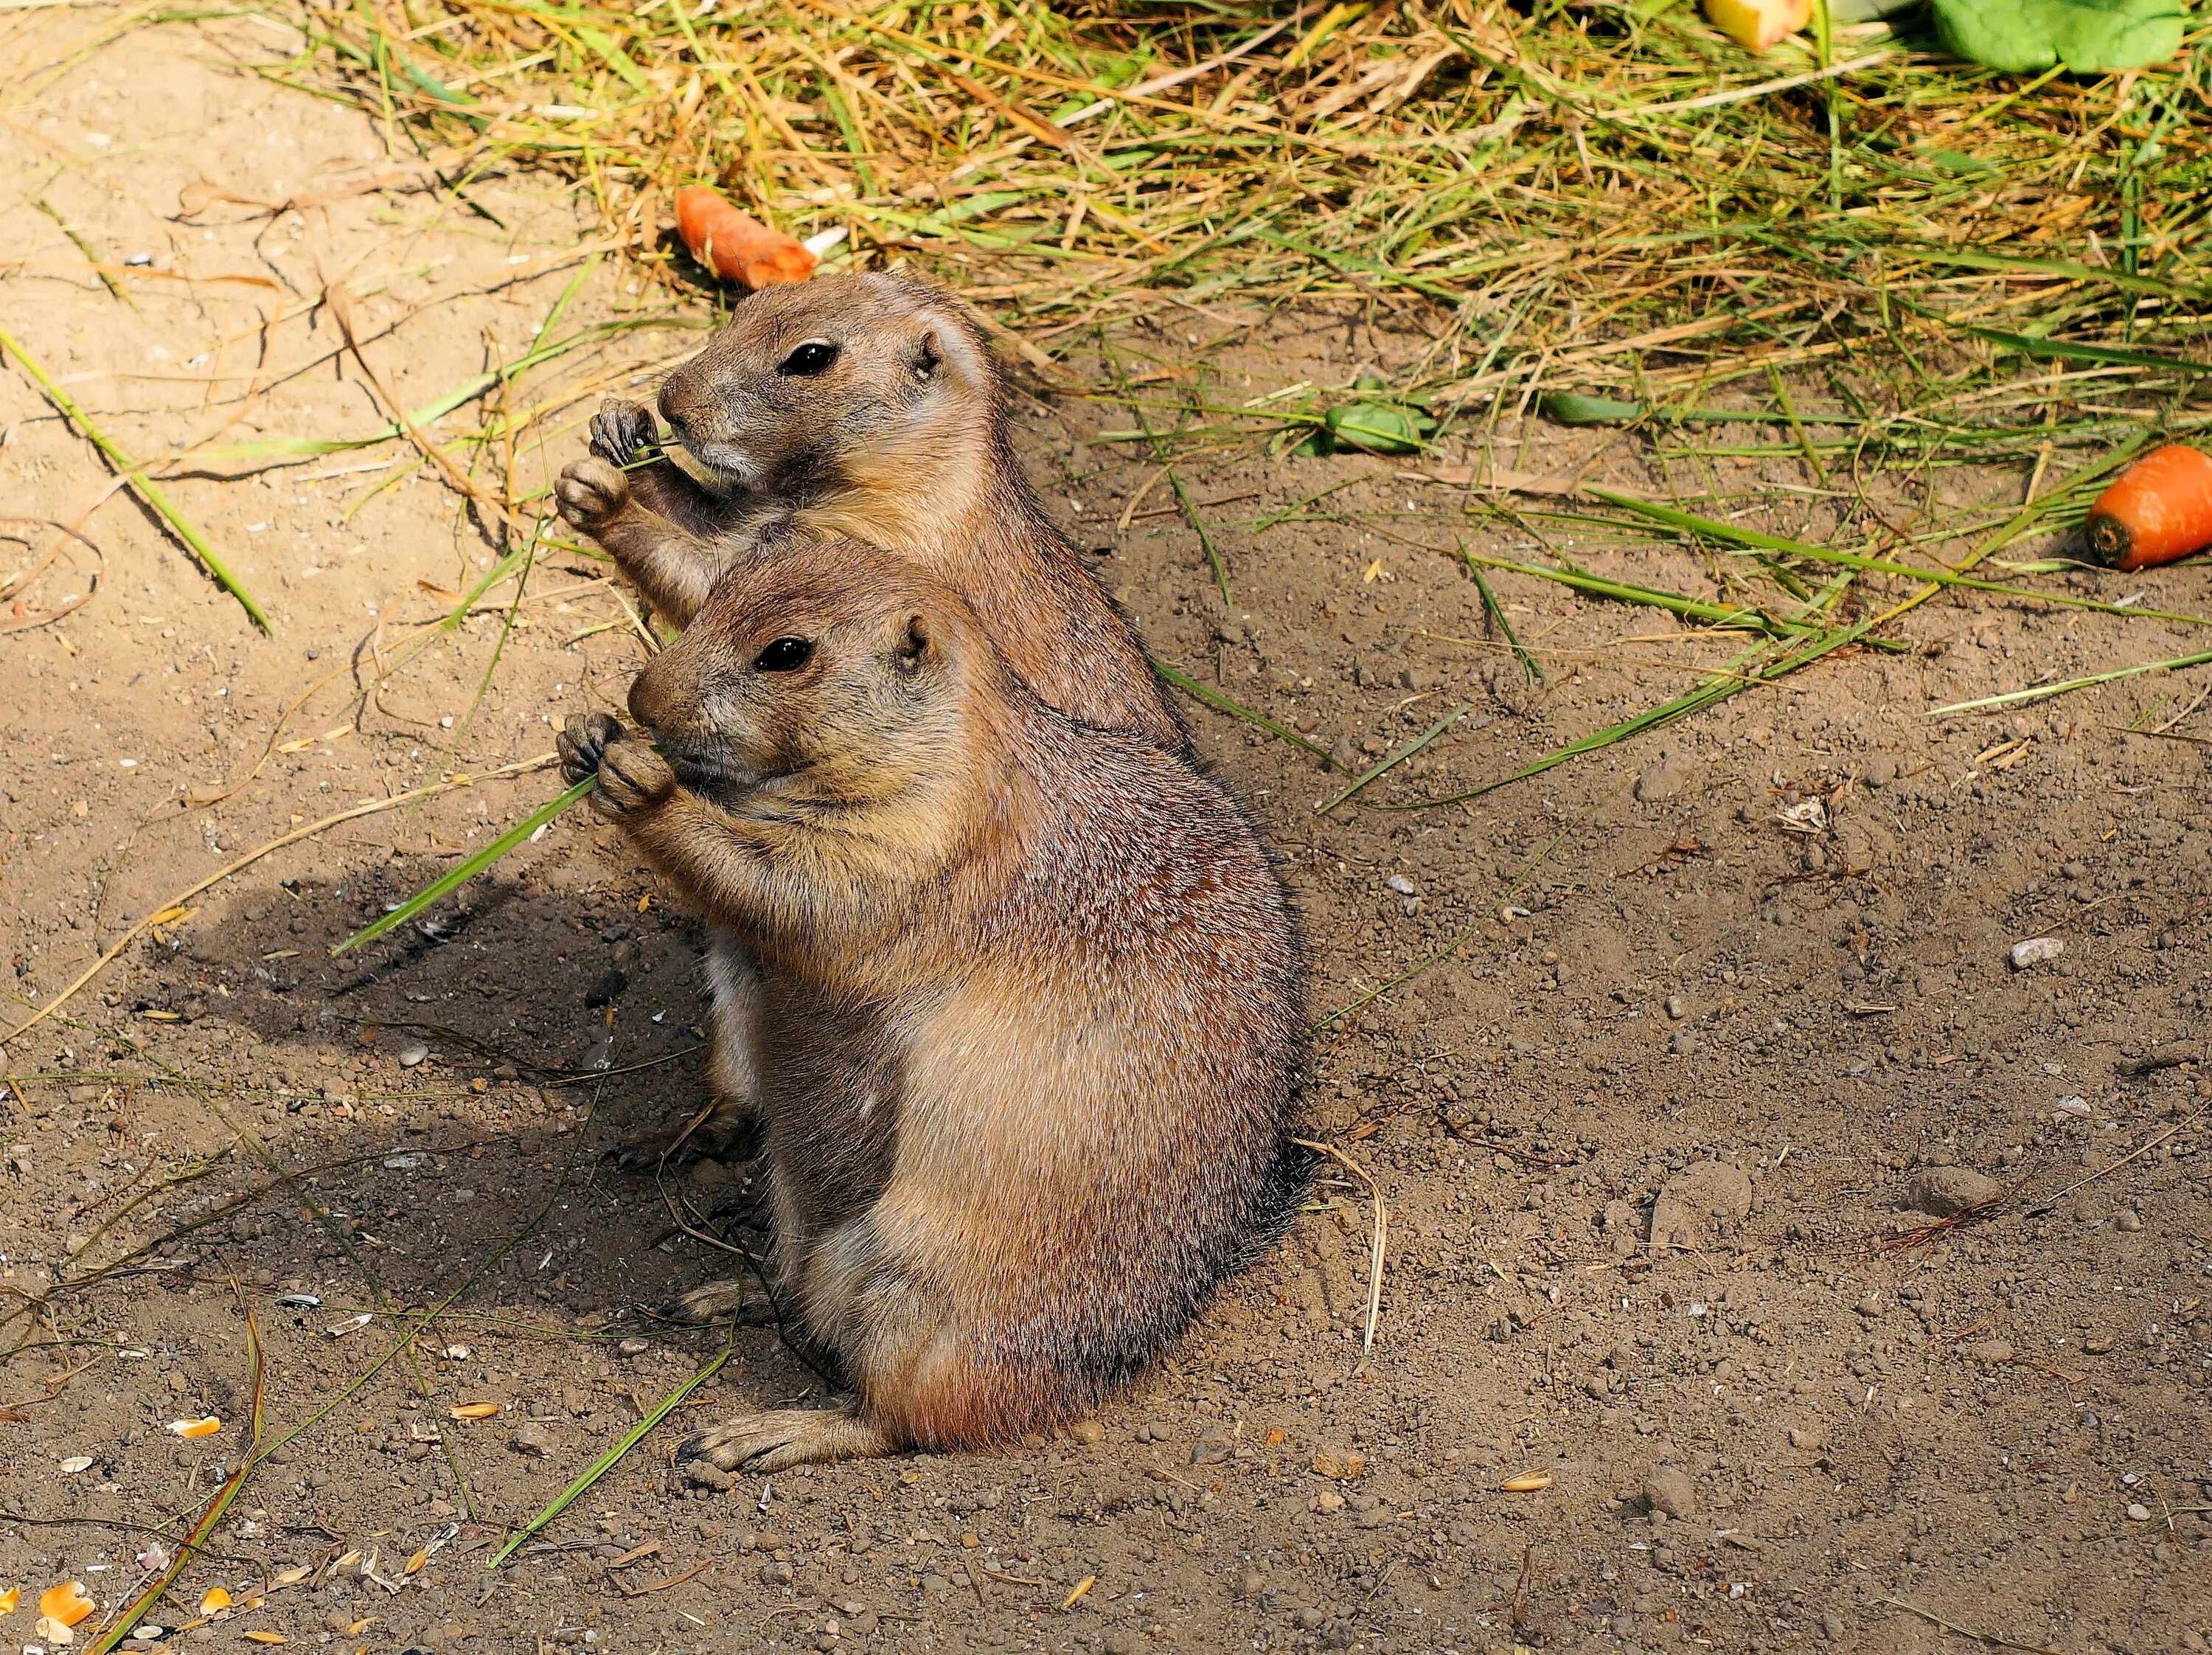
(866, 406)
(1028, 1028)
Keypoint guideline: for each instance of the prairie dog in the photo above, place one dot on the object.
(1027, 1036)
(866, 406)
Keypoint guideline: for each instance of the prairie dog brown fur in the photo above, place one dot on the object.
(1027, 1029)
(867, 407)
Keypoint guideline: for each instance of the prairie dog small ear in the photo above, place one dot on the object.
(918, 645)
(941, 351)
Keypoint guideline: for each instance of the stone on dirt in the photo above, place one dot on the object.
(1673, 775)
(1669, 1489)
(1943, 1191)
(1699, 1205)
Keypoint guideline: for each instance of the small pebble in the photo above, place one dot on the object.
(1669, 1489)
(1672, 775)
(412, 1054)
(1086, 1432)
(2128, 1221)
(633, 1346)
(1700, 1204)
(2139, 1512)
(532, 1439)
(2035, 951)
(1944, 1191)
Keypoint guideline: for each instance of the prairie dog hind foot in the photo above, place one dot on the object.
(778, 1438)
(712, 1302)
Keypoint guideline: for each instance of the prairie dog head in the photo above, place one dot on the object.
(845, 385)
(829, 678)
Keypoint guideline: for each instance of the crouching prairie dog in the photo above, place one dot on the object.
(867, 407)
(1028, 1027)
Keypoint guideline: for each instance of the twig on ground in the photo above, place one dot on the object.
(257, 1367)
(1992, 1640)
(1379, 1242)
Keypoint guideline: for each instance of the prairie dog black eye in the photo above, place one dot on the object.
(785, 655)
(811, 358)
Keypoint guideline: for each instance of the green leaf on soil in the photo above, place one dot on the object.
(1570, 408)
(2091, 37)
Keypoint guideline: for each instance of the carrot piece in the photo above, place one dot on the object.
(1755, 25)
(65, 1604)
(2157, 511)
(735, 246)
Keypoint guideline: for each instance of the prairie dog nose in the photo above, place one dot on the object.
(674, 401)
(649, 698)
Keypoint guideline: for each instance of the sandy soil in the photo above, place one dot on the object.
(1757, 963)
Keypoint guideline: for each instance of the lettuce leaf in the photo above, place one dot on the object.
(2091, 37)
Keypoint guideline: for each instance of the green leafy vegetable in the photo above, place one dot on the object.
(1377, 428)
(1570, 408)
(2094, 37)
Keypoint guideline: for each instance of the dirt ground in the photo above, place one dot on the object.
(1761, 957)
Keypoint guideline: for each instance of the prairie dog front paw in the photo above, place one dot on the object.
(583, 743)
(633, 779)
(590, 493)
(624, 434)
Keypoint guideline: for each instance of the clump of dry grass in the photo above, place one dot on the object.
(1954, 266)
(1559, 182)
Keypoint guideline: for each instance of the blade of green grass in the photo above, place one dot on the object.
(2043, 691)
(1384, 766)
(1689, 523)
(1261, 525)
(2069, 351)
(1729, 681)
(629, 1439)
(1494, 612)
(1213, 698)
(211, 1514)
(180, 525)
(1696, 609)
(1198, 526)
(453, 880)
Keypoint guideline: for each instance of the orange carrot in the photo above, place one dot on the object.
(735, 246)
(2157, 511)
